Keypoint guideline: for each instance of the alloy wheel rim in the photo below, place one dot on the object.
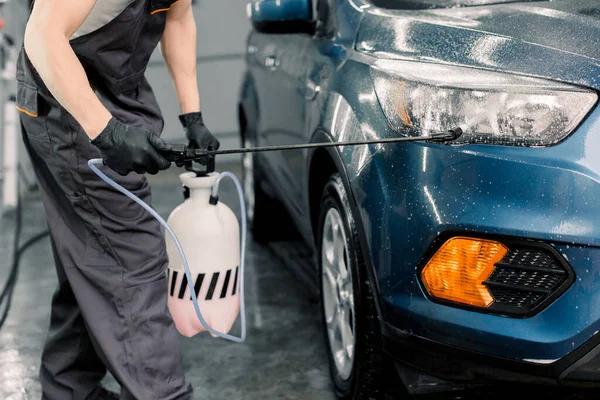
(248, 180)
(338, 293)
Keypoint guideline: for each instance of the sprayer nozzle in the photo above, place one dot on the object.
(449, 136)
(456, 132)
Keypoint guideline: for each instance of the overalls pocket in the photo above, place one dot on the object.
(27, 99)
(98, 250)
(32, 113)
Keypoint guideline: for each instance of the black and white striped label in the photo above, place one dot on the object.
(220, 284)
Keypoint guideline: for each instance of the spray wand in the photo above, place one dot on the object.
(181, 154)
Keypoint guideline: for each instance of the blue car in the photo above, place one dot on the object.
(445, 264)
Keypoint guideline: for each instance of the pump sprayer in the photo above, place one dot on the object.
(216, 279)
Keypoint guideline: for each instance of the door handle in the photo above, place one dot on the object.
(272, 63)
(312, 90)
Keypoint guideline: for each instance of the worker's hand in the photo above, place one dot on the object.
(126, 148)
(197, 133)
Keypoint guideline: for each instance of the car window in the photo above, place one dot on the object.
(426, 4)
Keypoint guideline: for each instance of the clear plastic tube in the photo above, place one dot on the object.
(215, 190)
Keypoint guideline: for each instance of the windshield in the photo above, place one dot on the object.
(425, 4)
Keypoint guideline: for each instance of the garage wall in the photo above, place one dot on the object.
(14, 14)
(222, 30)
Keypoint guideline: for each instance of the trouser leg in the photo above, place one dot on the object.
(113, 255)
(70, 366)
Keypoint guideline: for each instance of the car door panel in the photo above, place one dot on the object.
(263, 61)
(293, 124)
(285, 118)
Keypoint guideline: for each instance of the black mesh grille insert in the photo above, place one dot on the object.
(531, 257)
(516, 298)
(525, 278)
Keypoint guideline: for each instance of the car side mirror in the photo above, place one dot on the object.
(281, 16)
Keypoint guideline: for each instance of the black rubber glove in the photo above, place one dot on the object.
(197, 133)
(126, 148)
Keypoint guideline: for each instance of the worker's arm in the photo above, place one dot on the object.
(179, 50)
(178, 46)
(50, 27)
(123, 148)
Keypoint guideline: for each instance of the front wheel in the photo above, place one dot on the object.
(352, 336)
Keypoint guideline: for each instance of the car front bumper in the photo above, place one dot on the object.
(410, 195)
(456, 366)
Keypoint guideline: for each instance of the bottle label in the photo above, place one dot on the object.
(207, 286)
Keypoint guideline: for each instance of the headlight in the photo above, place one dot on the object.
(491, 107)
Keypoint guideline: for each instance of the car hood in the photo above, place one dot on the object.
(558, 40)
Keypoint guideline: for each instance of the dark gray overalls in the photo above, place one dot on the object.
(110, 309)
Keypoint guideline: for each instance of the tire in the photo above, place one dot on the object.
(346, 291)
(265, 216)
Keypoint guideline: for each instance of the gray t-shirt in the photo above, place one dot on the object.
(102, 13)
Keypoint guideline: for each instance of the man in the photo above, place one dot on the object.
(83, 95)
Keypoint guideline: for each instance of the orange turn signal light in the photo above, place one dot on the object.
(456, 272)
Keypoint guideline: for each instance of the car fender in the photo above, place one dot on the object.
(322, 135)
(347, 109)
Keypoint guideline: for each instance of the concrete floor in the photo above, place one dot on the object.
(283, 358)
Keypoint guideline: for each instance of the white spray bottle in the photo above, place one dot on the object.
(212, 247)
(206, 292)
